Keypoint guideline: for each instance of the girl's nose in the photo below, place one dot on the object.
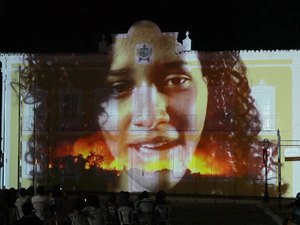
(149, 108)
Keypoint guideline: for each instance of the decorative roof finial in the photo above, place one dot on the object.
(187, 42)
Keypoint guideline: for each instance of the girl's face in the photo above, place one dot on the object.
(155, 113)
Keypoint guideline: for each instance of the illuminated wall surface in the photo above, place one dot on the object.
(148, 115)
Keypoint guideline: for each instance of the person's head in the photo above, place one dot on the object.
(22, 192)
(93, 200)
(156, 101)
(160, 195)
(56, 191)
(27, 208)
(145, 194)
(40, 190)
(80, 202)
(112, 197)
(30, 191)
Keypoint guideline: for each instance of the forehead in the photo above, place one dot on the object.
(145, 44)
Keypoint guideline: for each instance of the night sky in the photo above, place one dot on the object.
(77, 25)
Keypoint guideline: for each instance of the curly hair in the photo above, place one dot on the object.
(232, 123)
(41, 76)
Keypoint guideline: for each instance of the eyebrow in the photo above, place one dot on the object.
(120, 72)
(129, 71)
(170, 65)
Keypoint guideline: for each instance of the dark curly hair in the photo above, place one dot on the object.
(232, 124)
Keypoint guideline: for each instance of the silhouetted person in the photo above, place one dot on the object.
(41, 202)
(124, 199)
(30, 192)
(57, 208)
(162, 208)
(29, 217)
(295, 216)
(111, 207)
(22, 198)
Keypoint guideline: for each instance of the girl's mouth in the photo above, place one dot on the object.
(153, 144)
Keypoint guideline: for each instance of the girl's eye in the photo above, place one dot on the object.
(175, 80)
(121, 88)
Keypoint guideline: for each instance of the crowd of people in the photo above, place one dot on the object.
(54, 207)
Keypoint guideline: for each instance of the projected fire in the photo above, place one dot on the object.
(96, 154)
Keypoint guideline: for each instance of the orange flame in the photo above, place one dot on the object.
(96, 154)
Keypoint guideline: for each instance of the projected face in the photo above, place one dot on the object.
(155, 112)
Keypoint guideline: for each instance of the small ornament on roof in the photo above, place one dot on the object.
(187, 42)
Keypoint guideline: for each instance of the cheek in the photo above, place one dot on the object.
(188, 109)
(183, 105)
(115, 116)
(201, 100)
(182, 109)
(114, 125)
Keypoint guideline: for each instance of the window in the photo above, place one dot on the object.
(70, 108)
(264, 96)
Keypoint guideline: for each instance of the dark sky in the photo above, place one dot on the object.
(77, 25)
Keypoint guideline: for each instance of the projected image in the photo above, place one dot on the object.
(144, 116)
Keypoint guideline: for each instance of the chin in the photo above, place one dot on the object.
(153, 181)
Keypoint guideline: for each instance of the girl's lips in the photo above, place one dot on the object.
(156, 143)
